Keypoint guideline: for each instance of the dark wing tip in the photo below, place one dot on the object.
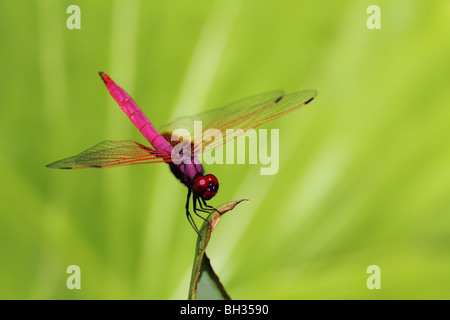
(278, 100)
(312, 98)
(306, 102)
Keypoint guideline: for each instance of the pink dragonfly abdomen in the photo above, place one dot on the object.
(135, 114)
(186, 173)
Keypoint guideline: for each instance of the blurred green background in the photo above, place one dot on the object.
(364, 170)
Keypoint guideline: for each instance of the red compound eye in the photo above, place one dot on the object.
(200, 185)
(206, 187)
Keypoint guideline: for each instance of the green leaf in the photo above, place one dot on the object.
(205, 283)
(209, 286)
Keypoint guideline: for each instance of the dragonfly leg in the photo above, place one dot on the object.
(207, 207)
(189, 216)
(191, 219)
(201, 209)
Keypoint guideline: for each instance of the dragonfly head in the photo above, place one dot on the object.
(206, 187)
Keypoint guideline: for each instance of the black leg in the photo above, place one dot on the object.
(196, 209)
(208, 207)
(202, 209)
(189, 216)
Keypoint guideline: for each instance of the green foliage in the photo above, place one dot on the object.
(209, 286)
(205, 283)
(364, 174)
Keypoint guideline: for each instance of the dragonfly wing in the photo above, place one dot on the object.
(112, 154)
(257, 115)
(245, 114)
(209, 117)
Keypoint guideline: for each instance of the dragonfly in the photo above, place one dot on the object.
(244, 114)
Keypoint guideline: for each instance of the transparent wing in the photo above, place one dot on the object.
(244, 114)
(209, 117)
(112, 154)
